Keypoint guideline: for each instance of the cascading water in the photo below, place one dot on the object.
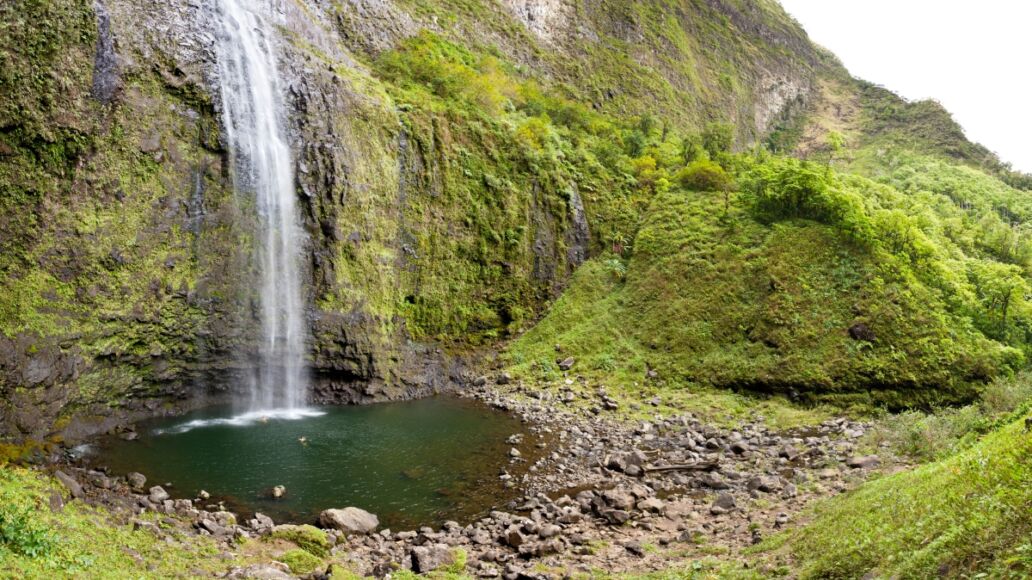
(253, 114)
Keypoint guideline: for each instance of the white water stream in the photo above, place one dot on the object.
(254, 118)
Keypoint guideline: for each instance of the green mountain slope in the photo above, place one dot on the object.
(820, 285)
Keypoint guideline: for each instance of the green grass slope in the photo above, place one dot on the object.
(807, 282)
(964, 515)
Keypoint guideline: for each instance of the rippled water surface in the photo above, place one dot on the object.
(412, 463)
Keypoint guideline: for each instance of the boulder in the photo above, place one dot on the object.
(350, 519)
(261, 524)
(620, 500)
(651, 504)
(739, 447)
(713, 480)
(514, 538)
(616, 517)
(429, 558)
(566, 364)
(764, 483)
(137, 481)
(66, 480)
(157, 494)
(98, 479)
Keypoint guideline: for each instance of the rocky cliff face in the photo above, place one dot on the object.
(124, 283)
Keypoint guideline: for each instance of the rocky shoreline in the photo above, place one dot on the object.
(599, 495)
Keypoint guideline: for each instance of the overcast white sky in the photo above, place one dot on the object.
(973, 57)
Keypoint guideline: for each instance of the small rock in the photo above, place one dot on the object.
(514, 453)
(549, 531)
(864, 462)
(616, 517)
(724, 503)
(279, 491)
(203, 494)
(504, 379)
(651, 504)
(635, 548)
(566, 364)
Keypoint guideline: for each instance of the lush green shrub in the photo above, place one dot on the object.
(704, 175)
(21, 533)
(785, 188)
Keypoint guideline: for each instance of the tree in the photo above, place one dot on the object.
(836, 143)
(999, 287)
(691, 148)
(718, 138)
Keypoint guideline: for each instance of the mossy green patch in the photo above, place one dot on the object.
(301, 561)
(309, 538)
(85, 541)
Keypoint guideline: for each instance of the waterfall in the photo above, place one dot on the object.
(254, 118)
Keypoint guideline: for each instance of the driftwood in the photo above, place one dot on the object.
(700, 466)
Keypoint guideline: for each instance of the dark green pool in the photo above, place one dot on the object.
(412, 463)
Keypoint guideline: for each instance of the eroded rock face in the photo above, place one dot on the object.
(549, 20)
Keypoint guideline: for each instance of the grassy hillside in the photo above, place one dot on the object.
(960, 516)
(807, 282)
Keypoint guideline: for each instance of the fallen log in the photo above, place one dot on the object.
(700, 466)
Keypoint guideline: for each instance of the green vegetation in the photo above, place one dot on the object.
(83, 541)
(927, 436)
(808, 282)
(962, 515)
